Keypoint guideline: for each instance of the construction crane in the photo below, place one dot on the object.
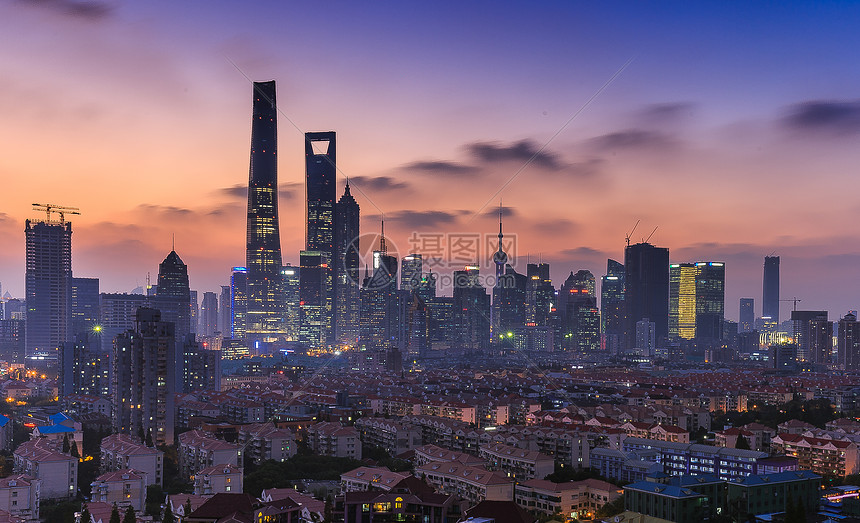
(795, 300)
(52, 208)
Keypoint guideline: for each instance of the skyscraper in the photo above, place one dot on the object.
(264, 320)
(646, 276)
(578, 316)
(173, 296)
(291, 281)
(770, 289)
(696, 300)
(411, 269)
(224, 323)
(500, 259)
(379, 301)
(238, 302)
(612, 306)
(848, 343)
(48, 285)
(209, 314)
(813, 335)
(321, 177)
(312, 277)
(470, 313)
(747, 315)
(347, 301)
(539, 294)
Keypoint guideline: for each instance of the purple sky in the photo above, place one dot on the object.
(734, 129)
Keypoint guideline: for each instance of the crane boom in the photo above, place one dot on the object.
(49, 208)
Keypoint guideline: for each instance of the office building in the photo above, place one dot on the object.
(209, 314)
(770, 289)
(174, 297)
(225, 325)
(238, 302)
(379, 301)
(813, 334)
(47, 286)
(540, 294)
(291, 284)
(411, 272)
(696, 301)
(347, 302)
(612, 307)
(264, 313)
(312, 296)
(646, 295)
(848, 343)
(470, 313)
(578, 315)
(320, 181)
(747, 315)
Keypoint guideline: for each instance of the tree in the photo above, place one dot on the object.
(130, 517)
(114, 515)
(86, 517)
(148, 441)
(167, 516)
(66, 444)
(187, 507)
(742, 443)
(74, 451)
(327, 510)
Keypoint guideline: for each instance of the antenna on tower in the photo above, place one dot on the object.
(629, 234)
(650, 235)
(382, 248)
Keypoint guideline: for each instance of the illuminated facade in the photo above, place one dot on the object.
(696, 300)
(238, 302)
(264, 317)
(540, 294)
(291, 280)
(321, 172)
(312, 298)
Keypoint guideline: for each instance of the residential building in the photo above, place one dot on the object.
(573, 499)
(827, 457)
(121, 451)
(334, 439)
(370, 478)
(519, 464)
(395, 437)
(471, 482)
(20, 496)
(265, 441)
(125, 488)
(58, 472)
(217, 478)
(198, 450)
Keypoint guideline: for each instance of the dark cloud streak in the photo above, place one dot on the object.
(90, 11)
(827, 116)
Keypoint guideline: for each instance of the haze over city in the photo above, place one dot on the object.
(733, 131)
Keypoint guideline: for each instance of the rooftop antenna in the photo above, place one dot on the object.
(650, 235)
(173, 243)
(629, 234)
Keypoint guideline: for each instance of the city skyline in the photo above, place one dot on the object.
(751, 169)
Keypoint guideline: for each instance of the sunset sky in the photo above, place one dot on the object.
(734, 128)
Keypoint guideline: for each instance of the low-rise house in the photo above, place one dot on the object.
(334, 439)
(394, 436)
(517, 463)
(218, 478)
(58, 472)
(121, 451)
(573, 499)
(265, 441)
(125, 488)
(471, 482)
(198, 450)
(19, 497)
(428, 453)
(370, 478)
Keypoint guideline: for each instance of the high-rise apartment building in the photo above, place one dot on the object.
(320, 181)
(347, 301)
(144, 378)
(646, 280)
(747, 315)
(48, 286)
(224, 323)
(264, 313)
(770, 289)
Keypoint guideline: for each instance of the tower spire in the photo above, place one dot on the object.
(500, 226)
(382, 247)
